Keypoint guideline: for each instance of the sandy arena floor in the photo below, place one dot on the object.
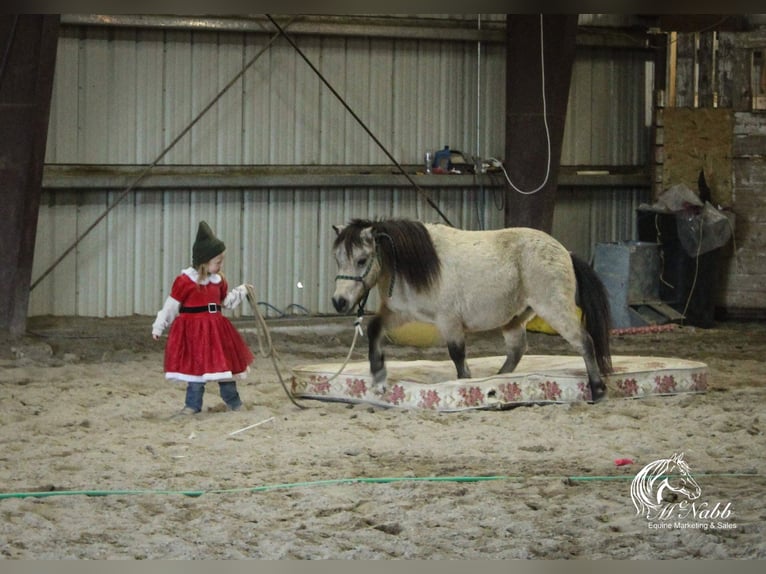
(84, 407)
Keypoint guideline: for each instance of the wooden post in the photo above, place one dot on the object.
(660, 97)
(706, 77)
(28, 45)
(526, 142)
(686, 86)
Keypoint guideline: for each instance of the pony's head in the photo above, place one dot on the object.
(359, 266)
(389, 251)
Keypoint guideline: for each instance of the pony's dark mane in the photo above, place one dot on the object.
(405, 248)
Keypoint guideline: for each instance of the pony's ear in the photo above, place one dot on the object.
(338, 228)
(366, 235)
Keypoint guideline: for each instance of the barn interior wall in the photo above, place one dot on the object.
(121, 95)
(713, 123)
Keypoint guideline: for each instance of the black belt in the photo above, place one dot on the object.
(210, 308)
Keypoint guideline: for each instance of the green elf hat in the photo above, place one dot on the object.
(206, 246)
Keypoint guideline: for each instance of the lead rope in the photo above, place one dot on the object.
(357, 331)
(270, 351)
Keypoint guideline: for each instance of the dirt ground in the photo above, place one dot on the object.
(88, 419)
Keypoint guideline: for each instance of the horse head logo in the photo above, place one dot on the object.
(659, 479)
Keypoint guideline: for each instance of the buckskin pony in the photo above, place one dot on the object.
(468, 281)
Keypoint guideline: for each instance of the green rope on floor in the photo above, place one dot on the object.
(328, 482)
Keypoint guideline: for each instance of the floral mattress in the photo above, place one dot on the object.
(538, 379)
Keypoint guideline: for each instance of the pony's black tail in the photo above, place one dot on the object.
(594, 302)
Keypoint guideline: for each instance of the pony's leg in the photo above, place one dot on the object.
(376, 355)
(596, 383)
(569, 326)
(456, 348)
(452, 331)
(586, 348)
(515, 336)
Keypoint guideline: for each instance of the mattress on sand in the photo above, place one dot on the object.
(538, 379)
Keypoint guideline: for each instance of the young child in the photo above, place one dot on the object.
(203, 345)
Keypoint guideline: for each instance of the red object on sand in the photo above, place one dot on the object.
(623, 461)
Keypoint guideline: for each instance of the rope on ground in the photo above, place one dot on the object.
(269, 351)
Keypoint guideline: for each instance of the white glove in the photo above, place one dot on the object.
(165, 316)
(235, 296)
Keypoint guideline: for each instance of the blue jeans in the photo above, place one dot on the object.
(229, 394)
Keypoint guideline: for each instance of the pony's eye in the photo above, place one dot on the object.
(361, 262)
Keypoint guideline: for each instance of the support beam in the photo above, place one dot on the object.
(526, 142)
(28, 45)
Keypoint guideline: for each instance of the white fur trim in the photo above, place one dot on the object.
(193, 274)
(207, 377)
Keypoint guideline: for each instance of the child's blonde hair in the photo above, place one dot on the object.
(202, 273)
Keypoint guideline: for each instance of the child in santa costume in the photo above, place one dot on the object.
(203, 345)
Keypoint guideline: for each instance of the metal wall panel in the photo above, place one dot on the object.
(146, 269)
(122, 95)
(91, 262)
(63, 120)
(276, 239)
(607, 123)
(413, 94)
(586, 216)
(137, 90)
(56, 230)
(279, 240)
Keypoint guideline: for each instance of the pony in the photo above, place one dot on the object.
(471, 281)
(648, 487)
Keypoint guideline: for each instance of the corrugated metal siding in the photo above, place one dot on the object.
(275, 240)
(587, 216)
(607, 123)
(121, 96)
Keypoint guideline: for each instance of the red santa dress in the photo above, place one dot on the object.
(203, 345)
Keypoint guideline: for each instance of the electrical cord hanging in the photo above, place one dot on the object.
(662, 251)
(545, 123)
(696, 269)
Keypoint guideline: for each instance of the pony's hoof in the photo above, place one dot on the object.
(379, 389)
(379, 386)
(597, 393)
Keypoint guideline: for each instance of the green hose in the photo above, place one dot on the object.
(362, 480)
